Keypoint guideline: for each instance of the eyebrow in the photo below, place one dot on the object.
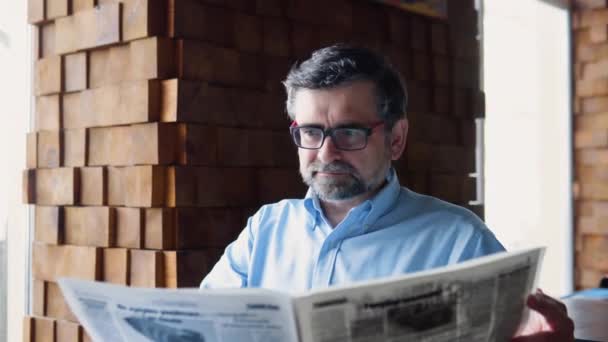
(341, 125)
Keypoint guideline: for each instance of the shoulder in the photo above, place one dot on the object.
(419, 205)
(278, 214)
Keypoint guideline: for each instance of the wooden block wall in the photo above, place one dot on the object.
(590, 35)
(159, 125)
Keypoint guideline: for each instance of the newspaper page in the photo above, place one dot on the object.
(118, 313)
(478, 300)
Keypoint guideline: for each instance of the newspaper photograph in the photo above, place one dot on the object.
(479, 300)
(118, 313)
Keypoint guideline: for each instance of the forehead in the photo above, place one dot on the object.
(353, 102)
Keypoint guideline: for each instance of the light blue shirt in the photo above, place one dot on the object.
(290, 246)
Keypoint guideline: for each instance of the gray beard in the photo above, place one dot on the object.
(336, 189)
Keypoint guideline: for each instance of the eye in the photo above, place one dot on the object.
(310, 132)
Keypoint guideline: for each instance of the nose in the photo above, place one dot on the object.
(328, 151)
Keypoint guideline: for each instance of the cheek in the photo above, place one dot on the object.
(306, 156)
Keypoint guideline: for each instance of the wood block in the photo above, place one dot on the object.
(595, 105)
(591, 122)
(144, 186)
(49, 150)
(225, 186)
(146, 268)
(31, 147)
(189, 101)
(68, 331)
(48, 76)
(116, 265)
(50, 262)
(200, 22)
(275, 184)
(88, 29)
(28, 329)
(46, 40)
(598, 33)
(596, 87)
(116, 187)
(38, 297)
(82, 5)
(143, 18)
(49, 225)
(589, 4)
(146, 144)
(159, 230)
(592, 157)
(585, 138)
(76, 75)
(107, 66)
(44, 329)
(439, 38)
(592, 254)
(185, 268)
(151, 58)
(57, 186)
(131, 102)
(206, 227)
(57, 9)
(35, 11)
(93, 186)
(275, 37)
(595, 70)
(109, 146)
(182, 186)
(56, 306)
(28, 186)
(129, 227)
(90, 226)
(200, 61)
(197, 145)
(419, 33)
(75, 147)
(156, 143)
(274, 8)
(242, 147)
(47, 113)
(247, 32)
(449, 187)
(443, 156)
(143, 59)
(399, 28)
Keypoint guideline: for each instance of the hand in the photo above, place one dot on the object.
(548, 321)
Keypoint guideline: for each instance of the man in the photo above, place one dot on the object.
(356, 222)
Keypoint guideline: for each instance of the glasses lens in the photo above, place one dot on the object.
(308, 137)
(350, 138)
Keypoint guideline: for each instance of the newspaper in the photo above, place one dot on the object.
(477, 300)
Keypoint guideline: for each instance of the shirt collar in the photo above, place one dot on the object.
(378, 205)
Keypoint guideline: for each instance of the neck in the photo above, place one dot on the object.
(336, 210)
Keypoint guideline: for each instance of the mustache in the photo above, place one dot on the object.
(336, 166)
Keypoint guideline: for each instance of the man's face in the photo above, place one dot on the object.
(334, 174)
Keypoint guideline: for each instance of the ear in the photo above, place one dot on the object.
(398, 138)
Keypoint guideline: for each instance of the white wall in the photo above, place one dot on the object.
(527, 133)
(15, 85)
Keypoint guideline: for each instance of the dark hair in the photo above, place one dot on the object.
(340, 64)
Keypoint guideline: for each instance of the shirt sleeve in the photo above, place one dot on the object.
(232, 270)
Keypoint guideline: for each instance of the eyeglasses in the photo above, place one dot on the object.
(344, 138)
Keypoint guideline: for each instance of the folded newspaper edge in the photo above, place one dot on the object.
(477, 300)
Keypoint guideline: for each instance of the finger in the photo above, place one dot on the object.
(538, 337)
(548, 300)
(554, 312)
